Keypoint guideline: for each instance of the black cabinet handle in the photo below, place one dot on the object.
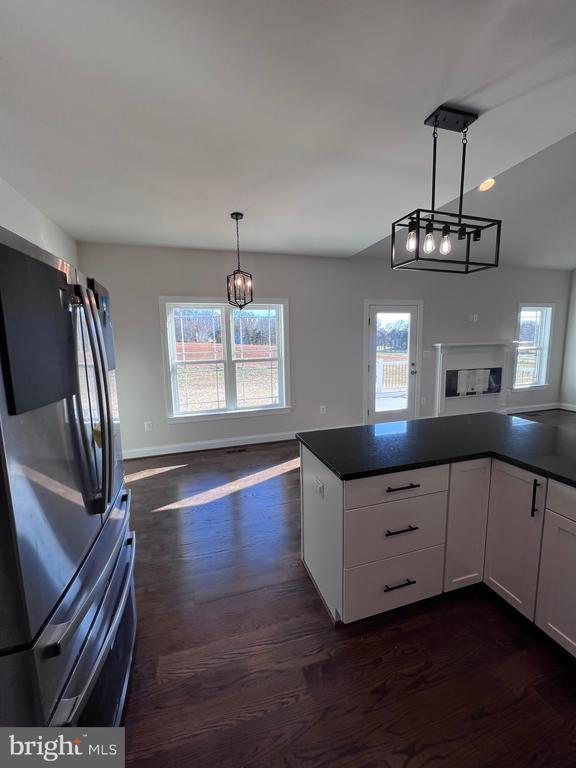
(408, 487)
(403, 530)
(535, 487)
(406, 583)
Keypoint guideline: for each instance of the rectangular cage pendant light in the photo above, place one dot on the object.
(428, 240)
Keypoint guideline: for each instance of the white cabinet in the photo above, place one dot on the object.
(395, 528)
(556, 607)
(515, 520)
(374, 543)
(467, 519)
(387, 584)
(322, 529)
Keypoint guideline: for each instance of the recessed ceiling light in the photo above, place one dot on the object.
(487, 184)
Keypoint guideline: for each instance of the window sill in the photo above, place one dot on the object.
(217, 415)
(531, 388)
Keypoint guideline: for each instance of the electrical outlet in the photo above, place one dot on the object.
(422, 401)
(322, 410)
(147, 426)
(474, 318)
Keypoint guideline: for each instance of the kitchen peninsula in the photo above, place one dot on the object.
(397, 512)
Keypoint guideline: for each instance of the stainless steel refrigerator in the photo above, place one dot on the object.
(67, 610)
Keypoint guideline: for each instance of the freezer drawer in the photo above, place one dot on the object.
(77, 622)
(95, 692)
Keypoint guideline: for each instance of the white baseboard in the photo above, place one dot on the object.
(225, 442)
(530, 408)
(204, 445)
(567, 406)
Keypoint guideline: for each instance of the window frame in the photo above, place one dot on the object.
(168, 303)
(544, 348)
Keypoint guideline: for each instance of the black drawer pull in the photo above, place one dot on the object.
(535, 487)
(403, 530)
(409, 487)
(407, 583)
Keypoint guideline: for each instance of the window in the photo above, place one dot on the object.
(533, 343)
(223, 359)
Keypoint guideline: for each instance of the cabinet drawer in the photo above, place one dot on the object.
(396, 485)
(387, 530)
(387, 584)
(562, 499)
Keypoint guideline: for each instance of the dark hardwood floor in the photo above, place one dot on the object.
(555, 416)
(237, 663)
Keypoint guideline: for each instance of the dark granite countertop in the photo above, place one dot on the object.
(375, 449)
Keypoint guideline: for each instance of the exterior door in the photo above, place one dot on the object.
(515, 520)
(393, 362)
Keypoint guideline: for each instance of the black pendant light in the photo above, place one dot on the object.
(466, 243)
(239, 282)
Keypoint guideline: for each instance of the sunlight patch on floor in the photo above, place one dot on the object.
(214, 494)
(143, 474)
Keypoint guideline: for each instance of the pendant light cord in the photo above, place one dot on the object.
(434, 146)
(462, 171)
(237, 244)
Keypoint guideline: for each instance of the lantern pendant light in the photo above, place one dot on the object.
(413, 240)
(239, 282)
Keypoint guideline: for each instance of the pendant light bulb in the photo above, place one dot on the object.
(411, 240)
(445, 243)
(429, 242)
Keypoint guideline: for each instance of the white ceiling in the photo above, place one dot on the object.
(148, 122)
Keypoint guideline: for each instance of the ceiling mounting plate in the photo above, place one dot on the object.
(451, 118)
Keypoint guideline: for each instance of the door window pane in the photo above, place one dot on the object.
(257, 383)
(198, 333)
(392, 351)
(254, 333)
(200, 387)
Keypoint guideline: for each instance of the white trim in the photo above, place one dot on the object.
(225, 442)
(283, 356)
(534, 407)
(204, 445)
(567, 406)
(238, 414)
(419, 304)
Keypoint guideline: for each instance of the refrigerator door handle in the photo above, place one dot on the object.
(61, 633)
(108, 431)
(84, 432)
(100, 367)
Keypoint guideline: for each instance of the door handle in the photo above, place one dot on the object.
(535, 487)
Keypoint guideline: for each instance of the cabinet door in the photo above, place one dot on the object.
(467, 519)
(556, 607)
(515, 519)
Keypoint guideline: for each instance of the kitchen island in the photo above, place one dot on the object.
(397, 512)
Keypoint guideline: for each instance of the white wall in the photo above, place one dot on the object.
(326, 317)
(21, 217)
(568, 392)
